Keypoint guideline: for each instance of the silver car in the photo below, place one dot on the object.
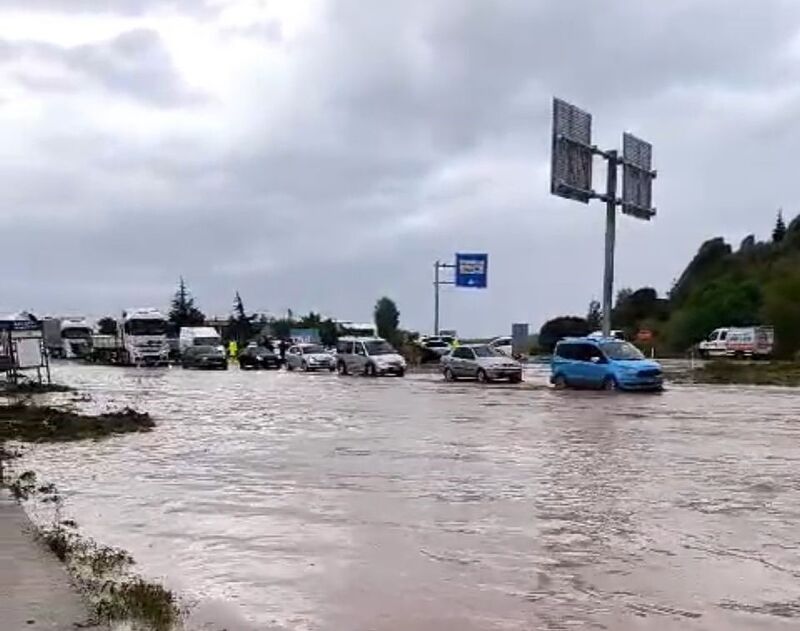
(480, 362)
(370, 356)
(308, 357)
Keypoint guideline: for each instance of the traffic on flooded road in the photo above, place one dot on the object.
(300, 500)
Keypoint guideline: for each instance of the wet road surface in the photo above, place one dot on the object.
(316, 502)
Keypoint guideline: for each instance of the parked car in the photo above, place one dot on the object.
(309, 357)
(606, 363)
(434, 348)
(210, 356)
(617, 334)
(747, 341)
(254, 357)
(481, 362)
(370, 356)
(502, 345)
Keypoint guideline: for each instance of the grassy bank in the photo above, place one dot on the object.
(749, 373)
(29, 422)
(104, 574)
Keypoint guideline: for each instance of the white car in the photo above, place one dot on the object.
(615, 333)
(502, 345)
(371, 356)
(307, 357)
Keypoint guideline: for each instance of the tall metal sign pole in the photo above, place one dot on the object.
(471, 271)
(571, 177)
(438, 265)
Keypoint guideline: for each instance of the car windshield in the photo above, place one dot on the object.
(259, 350)
(486, 351)
(76, 333)
(621, 350)
(146, 327)
(379, 347)
(312, 348)
(207, 341)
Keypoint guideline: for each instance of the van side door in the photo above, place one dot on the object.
(595, 366)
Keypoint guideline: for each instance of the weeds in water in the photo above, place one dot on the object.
(24, 486)
(102, 572)
(141, 601)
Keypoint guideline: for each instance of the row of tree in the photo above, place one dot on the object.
(757, 284)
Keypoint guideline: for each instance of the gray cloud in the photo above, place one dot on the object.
(134, 64)
(121, 7)
(413, 129)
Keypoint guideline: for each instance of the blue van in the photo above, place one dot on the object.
(607, 363)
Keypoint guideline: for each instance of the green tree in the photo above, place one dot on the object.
(594, 317)
(708, 259)
(782, 310)
(387, 319)
(723, 302)
(779, 232)
(558, 328)
(107, 326)
(183, 311)
(241, 323)
(328, 334)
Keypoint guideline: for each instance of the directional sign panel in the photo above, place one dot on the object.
(637, 177)
(571, 160)
(471, 270)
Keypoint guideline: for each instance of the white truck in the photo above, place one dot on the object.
(68, 337)
(746, 341)
(76, 337)
(198, 336)
(141, 340)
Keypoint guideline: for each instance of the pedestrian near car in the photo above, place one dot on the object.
(233, 349)
(282, 347)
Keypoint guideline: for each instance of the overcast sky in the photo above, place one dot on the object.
(319, 154)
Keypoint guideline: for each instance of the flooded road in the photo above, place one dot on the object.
(315, 502)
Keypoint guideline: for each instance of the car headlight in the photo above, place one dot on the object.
(259, 358)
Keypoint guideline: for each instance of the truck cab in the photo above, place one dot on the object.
(144, 337)
(76, 338)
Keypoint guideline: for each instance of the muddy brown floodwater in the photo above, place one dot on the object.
(314, 502)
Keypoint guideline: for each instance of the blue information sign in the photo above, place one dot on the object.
(471, 270)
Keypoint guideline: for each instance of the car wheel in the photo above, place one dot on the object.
(370, 370)
(304, 367)
(401, 372)
(609, 384)
(448, 375)
(560, 382)
(331, 368)
(482, 376)
(515, 378)
(341, 368)
(289, 366)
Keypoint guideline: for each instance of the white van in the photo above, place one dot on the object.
(198, 336)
